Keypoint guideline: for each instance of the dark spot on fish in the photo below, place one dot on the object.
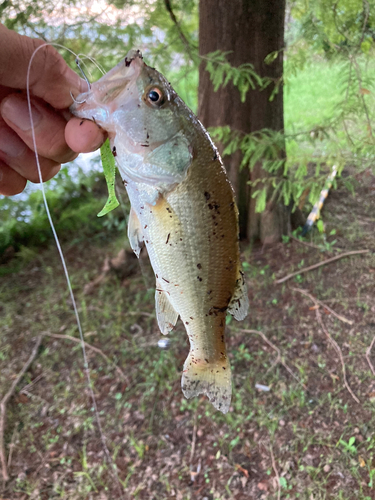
(209, 292)
(186, 322)
(168, 210)
(210, 206)
(222, 338)
(139, 105)
(125, 183)
(165, 280)
(207, 195)
(199, 278)
(224, 368)
(81, 123)
(180, 239)
(215, 156)
(114, 151)
(167, 238)
(93, 119)
(145, 145)
(142, 208)
(206, 360)
(191, 318)
(145, 226)
(148, 135)
(156, 275)
(127, 62)
(199, 266)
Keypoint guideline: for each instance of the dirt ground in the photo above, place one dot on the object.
(301, 425)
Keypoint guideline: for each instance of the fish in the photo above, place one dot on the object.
(182, 209)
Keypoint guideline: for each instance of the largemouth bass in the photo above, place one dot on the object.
(183, 210)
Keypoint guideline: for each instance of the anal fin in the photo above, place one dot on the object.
(135, 233)
(239, 305)
(166, 315)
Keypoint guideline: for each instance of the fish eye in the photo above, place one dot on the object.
(155, 96)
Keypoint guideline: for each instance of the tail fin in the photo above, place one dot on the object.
(210, 378)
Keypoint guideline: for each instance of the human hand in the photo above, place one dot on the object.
(51, 81)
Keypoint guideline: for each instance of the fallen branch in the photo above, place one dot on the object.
(89, 346)
(278, 358)
(317, 301)
(319, 264)
(3, 405)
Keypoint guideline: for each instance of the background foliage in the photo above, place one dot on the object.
(329, 75)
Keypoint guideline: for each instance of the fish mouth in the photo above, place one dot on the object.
(98, 102)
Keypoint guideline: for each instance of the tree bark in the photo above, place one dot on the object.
(251, 29)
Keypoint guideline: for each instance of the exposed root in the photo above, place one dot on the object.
(3, 404)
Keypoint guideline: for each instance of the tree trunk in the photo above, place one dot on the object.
(251, 29)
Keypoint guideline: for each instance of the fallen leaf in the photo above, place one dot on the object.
(364, 91)
(241, 469)
(313, 308)
(362, 463)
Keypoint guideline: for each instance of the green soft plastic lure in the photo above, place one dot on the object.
(109, 168)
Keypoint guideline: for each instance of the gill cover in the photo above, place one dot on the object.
(137, 107)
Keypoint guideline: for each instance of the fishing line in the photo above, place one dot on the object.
(78, 321)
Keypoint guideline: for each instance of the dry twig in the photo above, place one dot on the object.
(368, 352)
(334, 345)
(278, 358)
(338, 350)
(193, 443)
(276, 473)
(89, 346)
(3, 404)
(338, 316)
(319, 264)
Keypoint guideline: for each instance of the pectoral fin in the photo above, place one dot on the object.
(166, 315)
(239, 304)
(135, 233)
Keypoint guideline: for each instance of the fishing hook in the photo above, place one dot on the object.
(83, 73)
(75, 100)
(86, 80)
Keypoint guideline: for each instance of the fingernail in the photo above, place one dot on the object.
(10, 143)
(17, 111)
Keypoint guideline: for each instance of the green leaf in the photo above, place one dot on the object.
(260, 204)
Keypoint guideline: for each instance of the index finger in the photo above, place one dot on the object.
(51, 79)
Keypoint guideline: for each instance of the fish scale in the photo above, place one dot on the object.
(183, 210)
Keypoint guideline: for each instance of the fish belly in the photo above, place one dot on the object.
(191, 234)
